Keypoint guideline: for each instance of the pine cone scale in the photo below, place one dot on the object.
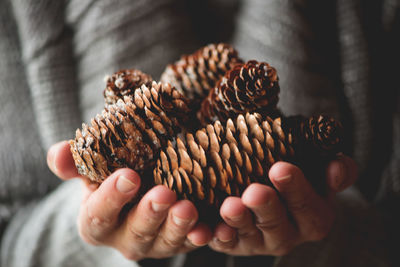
(238, 154)
(124, 83)
(195, 74)
(129, 133)
(247, 87)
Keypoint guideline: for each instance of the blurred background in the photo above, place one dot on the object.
(335, 57)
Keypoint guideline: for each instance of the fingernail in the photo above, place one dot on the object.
(284, 179)
(236, 218)
(194, 243)
(51, 158)
(218, 239)
(124, 185)
(180, 221)
(158, 207)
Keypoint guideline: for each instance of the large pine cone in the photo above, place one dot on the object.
(124, 83)
(220, 161)
(130, 133)
(195, 74)
(249, 87)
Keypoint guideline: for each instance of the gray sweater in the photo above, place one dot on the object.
(332, 57)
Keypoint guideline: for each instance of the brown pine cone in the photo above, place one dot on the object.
(248, 87)
(321, 135)
(124, 83)
(220, 161)
(130, 133)
(195, 74)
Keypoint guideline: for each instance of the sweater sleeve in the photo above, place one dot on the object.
(37, 108)
(44, 233)
(298, 39)
(358, 238)
(46, 44)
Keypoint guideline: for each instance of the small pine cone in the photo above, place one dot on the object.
(129, 133)
(248, 87)
(124, 83)
(321, 135)
(195, 74)
(221, 161)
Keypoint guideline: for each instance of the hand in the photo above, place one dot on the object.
(260, 223)
(158, 226)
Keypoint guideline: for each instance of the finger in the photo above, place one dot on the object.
(60, 161)
(271, 218)
(100, 212)
(143, 223)
(341, 173)
(237, 215)
(87, 189)
(224, 238)
(199, 236)
(312, 214)
(181, 219)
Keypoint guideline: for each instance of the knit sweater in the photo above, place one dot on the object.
(332, 57)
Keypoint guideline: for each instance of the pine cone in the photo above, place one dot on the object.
(220, 161)
(195, 74)
(249, 87)
(124, 83)
(130, 133)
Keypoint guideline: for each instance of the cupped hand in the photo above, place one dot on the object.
(158, 226)
(264, 222)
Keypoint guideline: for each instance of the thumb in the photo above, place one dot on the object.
(60, 161)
